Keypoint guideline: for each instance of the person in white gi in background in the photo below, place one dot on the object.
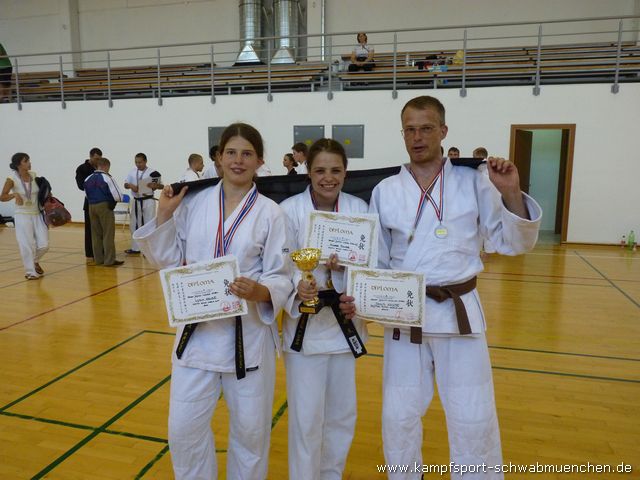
(196, 165)
(143, 205)
(263, 171)
(320, 366)
(441, 237)
(31, 231)
(299, 151)
(229, 218)
(214, 169)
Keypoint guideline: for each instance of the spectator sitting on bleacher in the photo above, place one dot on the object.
(6, 69)
(362, 55)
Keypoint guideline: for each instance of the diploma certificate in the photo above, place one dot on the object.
(353, 238)
(200, 292)
(388, 296)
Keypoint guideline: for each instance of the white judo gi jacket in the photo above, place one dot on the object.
(260, 244)
(323, 334)
(142, 207)
(473, 210)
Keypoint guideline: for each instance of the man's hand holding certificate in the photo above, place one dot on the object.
(201, 291)
(353, 238)
(388, 296)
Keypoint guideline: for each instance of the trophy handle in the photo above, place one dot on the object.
(308, 276)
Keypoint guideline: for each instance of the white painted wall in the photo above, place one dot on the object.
(606, 157)
(543, 179)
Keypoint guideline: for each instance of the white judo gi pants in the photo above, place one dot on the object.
(463, 373)
(33, 240)
(194, 395)
(140, 213)
(321, 397)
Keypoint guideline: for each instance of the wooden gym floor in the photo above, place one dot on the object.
(86, 367)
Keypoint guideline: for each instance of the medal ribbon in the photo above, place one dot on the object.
(426, 194)
(27, 191)
(223, 240)
(222, 244)
(315, 205)
(138, 178)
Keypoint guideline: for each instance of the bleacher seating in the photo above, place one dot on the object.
(595, 62)
(174, 79)
(515, 66)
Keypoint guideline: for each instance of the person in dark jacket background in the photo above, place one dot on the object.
(82, 172)
(102, 195)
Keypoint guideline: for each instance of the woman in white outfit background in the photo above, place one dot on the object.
(31, 231)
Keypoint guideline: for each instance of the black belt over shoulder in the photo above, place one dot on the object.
(331, 299)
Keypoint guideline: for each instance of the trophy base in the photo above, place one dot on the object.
(310, 309)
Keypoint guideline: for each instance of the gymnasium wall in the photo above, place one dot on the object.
(604, 193)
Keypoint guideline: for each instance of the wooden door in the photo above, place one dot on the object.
(522, 157)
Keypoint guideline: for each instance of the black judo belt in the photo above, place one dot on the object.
(239, 345)
(138, 203)
(331, 298)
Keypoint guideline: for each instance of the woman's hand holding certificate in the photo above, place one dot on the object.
(203, 291)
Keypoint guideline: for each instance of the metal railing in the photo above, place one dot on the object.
(207, 68)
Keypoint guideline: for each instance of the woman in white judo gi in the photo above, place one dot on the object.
(433, 217)
(320, 362)
(31, 231)
(235, 356)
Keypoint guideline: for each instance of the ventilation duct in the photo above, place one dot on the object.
(286, 26)
(250, 30)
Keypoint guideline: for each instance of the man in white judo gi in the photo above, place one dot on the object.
(433, 217)
(142, 182)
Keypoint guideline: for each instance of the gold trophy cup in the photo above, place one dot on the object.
(307, 260)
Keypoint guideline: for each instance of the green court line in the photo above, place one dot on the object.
(543, 282)
(136, 436)
(279, 413)
(157, 332)
(153, 461)
(82, 427)
(562, 374)
(162, 452)
(69, 372)
(47, 420)
(588, 355)
(42, 473)
(550, 352)
(608, 280)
